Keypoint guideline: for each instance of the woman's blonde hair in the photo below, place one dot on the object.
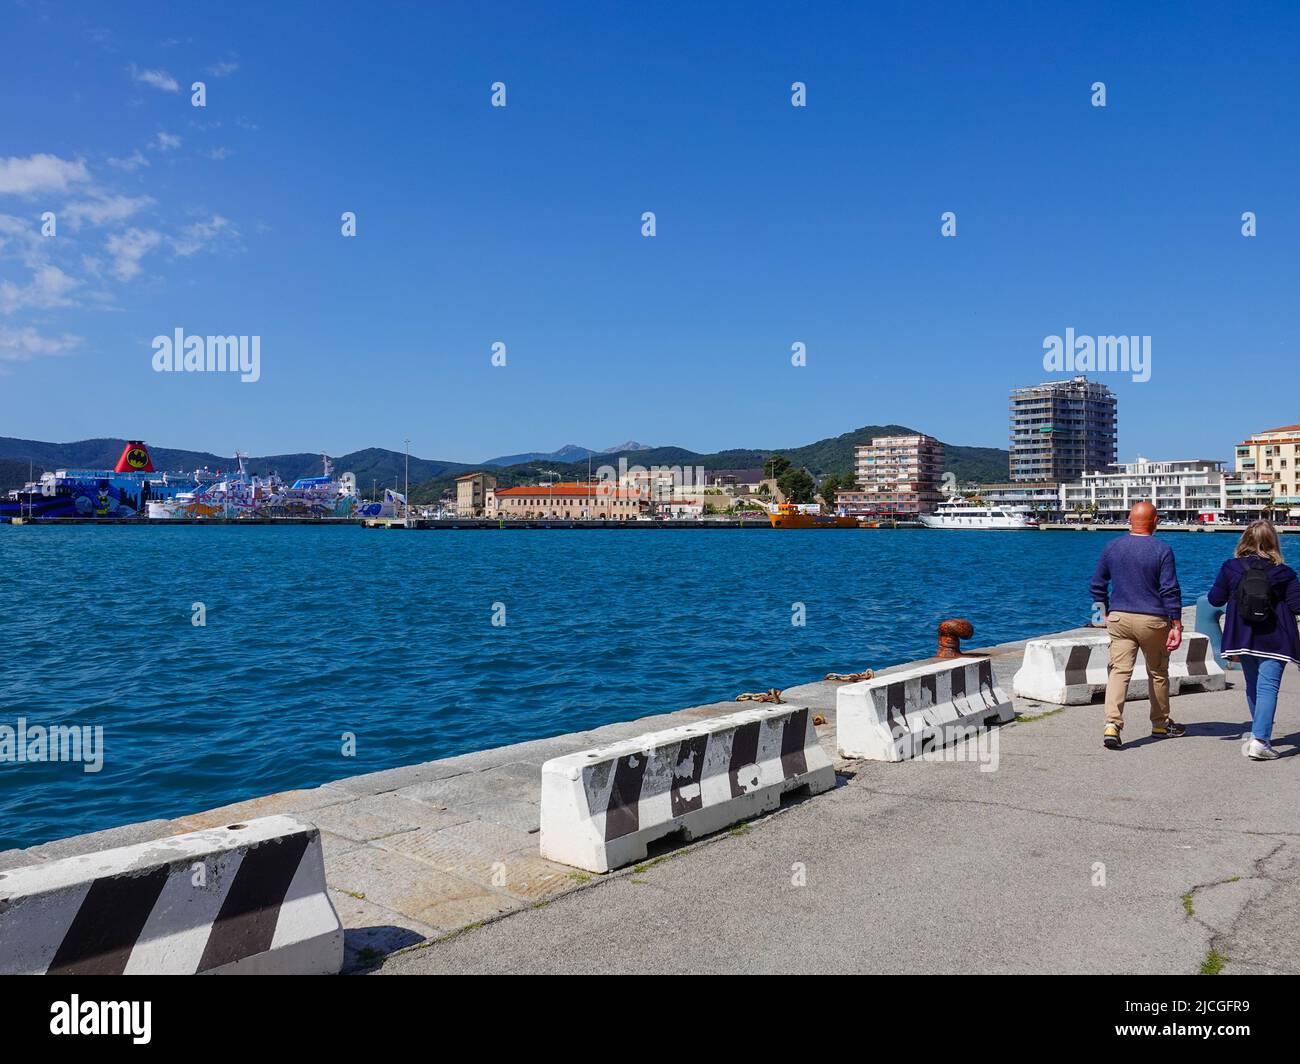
(1260, 538)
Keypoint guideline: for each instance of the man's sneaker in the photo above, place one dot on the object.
(1170, 729)
(1110, 737)
(1258, 751)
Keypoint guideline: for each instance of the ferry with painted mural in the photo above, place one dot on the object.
(134, 489)
(239, 495)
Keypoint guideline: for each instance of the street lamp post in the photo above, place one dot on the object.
(406, 497)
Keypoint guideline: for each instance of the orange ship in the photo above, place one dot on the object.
(787, 515)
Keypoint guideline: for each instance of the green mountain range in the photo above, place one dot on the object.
(377, 467)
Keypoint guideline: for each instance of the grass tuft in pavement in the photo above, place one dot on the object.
(1029, 718)
(1213, 963)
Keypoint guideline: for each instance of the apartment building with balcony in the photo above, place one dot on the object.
(1061, 430)
(1249, 496)
(1271, 458)
(898, 476)
(1184, 490)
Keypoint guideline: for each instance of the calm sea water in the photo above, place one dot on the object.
(316, 632)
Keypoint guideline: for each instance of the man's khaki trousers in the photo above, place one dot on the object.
(1129, 633)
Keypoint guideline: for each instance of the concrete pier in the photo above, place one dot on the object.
(420, 852)
(1163, 857)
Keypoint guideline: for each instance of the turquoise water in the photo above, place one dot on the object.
(312, 633)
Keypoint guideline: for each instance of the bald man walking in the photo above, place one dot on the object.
(1136, 587)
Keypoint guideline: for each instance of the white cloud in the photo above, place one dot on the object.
(223, 69)
(49, 287)
(159, 79)
(130, 163)
(103, 209)
(21, 176)
(128, 248)
(22, 345)
(194, 238)
(25, 234)
(12, 228)
(121, 236)
(219, 153)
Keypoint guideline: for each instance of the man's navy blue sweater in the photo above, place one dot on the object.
(1136, 574)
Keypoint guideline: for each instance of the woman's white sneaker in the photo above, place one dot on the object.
(1257, 751)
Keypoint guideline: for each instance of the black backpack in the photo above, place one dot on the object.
(1255, 596)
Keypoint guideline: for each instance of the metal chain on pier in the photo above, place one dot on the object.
(772, 694)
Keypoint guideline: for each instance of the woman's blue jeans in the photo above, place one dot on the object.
(1263, 680)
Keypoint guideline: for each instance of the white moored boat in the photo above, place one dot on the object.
(968, 514)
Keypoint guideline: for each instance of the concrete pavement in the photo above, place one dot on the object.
(1163, 857)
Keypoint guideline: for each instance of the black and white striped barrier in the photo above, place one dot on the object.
(602, 808)
(906, 713)
(247, 899)
(1073, 671)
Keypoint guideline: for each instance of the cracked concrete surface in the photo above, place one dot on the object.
(1256, 932)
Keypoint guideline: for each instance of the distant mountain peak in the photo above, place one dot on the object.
(570, 452)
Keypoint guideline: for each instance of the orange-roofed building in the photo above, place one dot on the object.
(570, 501)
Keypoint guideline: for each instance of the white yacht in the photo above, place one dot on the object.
(971, 514)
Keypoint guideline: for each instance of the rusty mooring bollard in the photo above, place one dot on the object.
(951, 633)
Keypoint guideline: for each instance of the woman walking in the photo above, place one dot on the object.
(1259, 629)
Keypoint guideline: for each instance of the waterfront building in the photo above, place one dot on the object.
(1184, 490)
(735, 481)
(1271, 457)
(661, 482)
(668, 491)
(1061, 430)
(573, 501)
(680, 508)
(1250, 495)
(898, 476)
(1041, 499)
(472, 493)
(853, 503)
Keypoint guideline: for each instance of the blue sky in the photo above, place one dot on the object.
(522, 224)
